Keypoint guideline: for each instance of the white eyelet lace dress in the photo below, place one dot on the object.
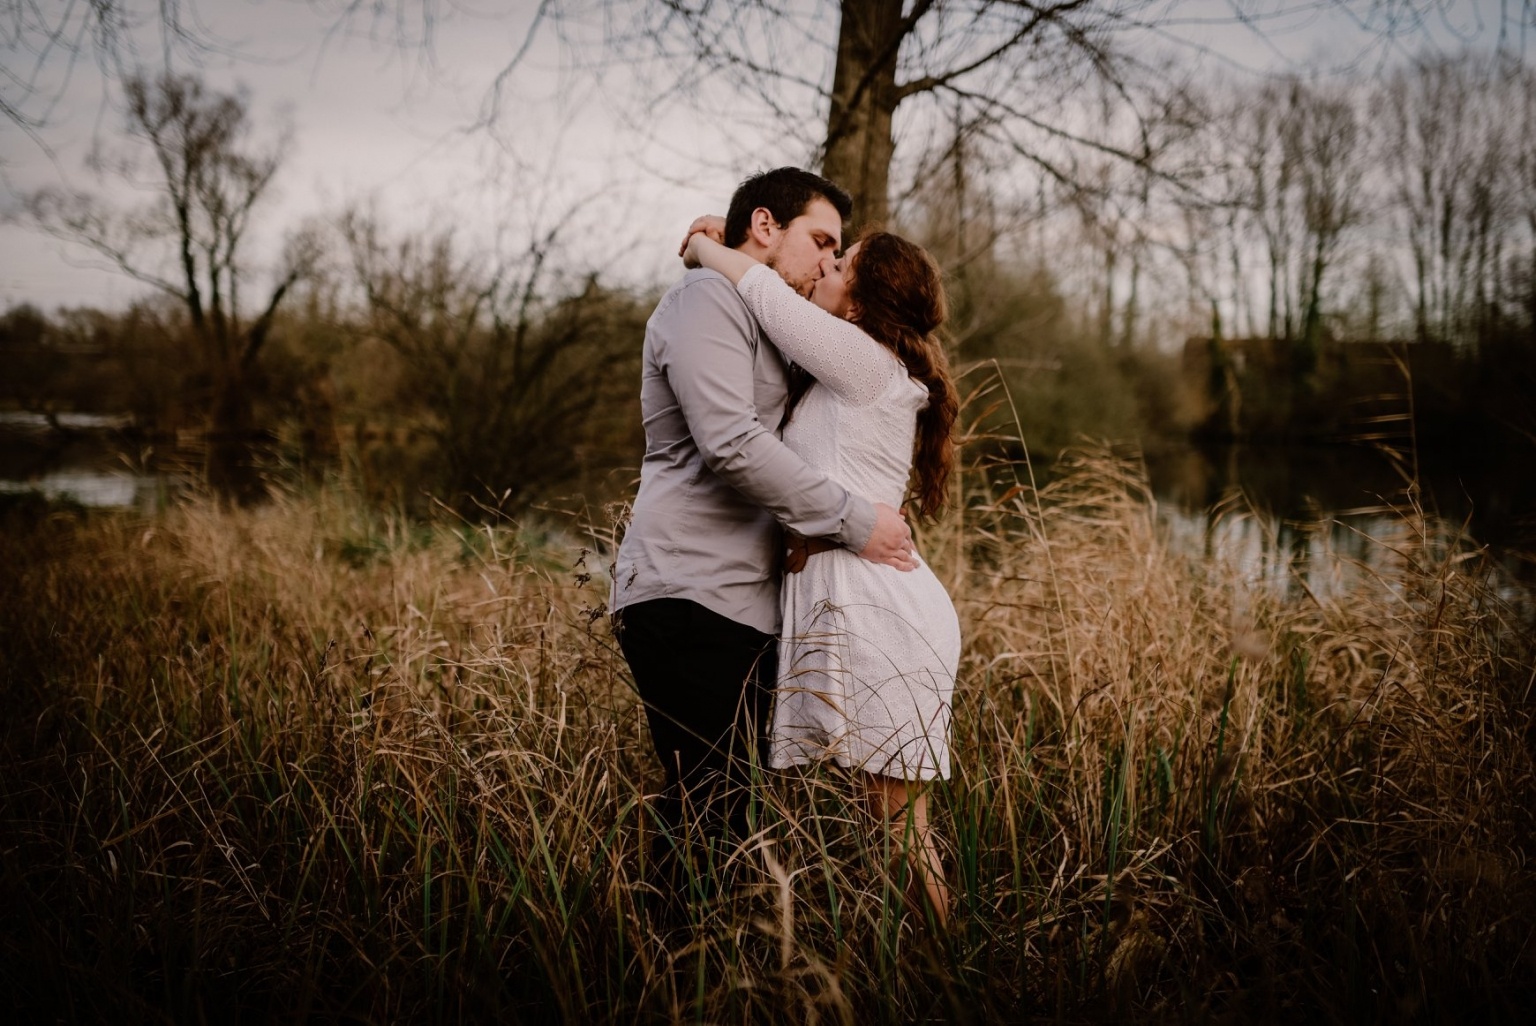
(868, 654)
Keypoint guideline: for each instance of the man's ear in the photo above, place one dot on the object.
(763, 228)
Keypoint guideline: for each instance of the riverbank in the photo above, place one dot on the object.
(311, 762)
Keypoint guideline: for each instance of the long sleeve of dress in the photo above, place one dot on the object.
(709, 370)
(837, 353)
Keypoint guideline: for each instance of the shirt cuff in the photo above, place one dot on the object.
(859, 525)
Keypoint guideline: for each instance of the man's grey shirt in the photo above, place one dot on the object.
(716, 481)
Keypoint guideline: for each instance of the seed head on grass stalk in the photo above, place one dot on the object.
(314, 761)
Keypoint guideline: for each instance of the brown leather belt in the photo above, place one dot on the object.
(797, 550)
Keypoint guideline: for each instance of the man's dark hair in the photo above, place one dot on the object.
(785, 192)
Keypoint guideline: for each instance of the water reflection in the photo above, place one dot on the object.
(1315, 519)
(1325, 558)
(21, 421)
(102, 489)
(76, 457)
(1296, 518)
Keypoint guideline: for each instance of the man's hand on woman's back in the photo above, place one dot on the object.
(891, 542)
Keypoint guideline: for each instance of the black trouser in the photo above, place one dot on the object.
(706, 682)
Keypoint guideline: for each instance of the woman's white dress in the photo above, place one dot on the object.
(868, 654)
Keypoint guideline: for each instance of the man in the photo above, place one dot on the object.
(696, 580)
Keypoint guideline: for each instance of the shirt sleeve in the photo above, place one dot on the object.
(837, 353)
(708, 362)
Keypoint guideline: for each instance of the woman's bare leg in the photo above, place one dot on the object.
(903, 807)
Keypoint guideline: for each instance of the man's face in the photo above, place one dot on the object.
(799, 248)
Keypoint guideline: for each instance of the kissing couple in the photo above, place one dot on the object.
(767, 595)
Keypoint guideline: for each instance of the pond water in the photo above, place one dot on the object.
(1293, 516)
(1312, 518)
(79, 458)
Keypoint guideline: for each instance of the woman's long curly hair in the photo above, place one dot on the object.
(897, 296)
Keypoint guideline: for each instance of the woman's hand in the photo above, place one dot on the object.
(703, 248)
(711, 226)
(692, 249)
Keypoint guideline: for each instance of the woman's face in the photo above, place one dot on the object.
(831, 290)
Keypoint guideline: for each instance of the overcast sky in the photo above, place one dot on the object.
(375, 123)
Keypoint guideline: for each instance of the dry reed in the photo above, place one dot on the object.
(311, 762)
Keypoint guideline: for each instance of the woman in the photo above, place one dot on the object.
(868, 656)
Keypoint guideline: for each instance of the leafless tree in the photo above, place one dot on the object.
(1011, 69)
(1524, 110)
(1294, 159)
(1324, 143)
(206, 177)
(1451, 141)
(858, 83)
(521, 377)
(44, 41)
(1261, 125)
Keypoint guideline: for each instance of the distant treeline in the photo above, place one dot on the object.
(1394, 392)
(432, 389)
(444, 382)
(1369, 256)
(1341, 258)
(1293, 259)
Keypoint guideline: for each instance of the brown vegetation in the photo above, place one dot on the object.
(311, 762)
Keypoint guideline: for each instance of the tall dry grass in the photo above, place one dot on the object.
(311, 762)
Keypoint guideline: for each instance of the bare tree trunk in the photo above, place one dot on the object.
(1107, 303)
(864, 97)
(230, 459)
(1128, 325)
(1309, 343)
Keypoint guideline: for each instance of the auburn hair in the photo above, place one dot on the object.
(896, 295)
